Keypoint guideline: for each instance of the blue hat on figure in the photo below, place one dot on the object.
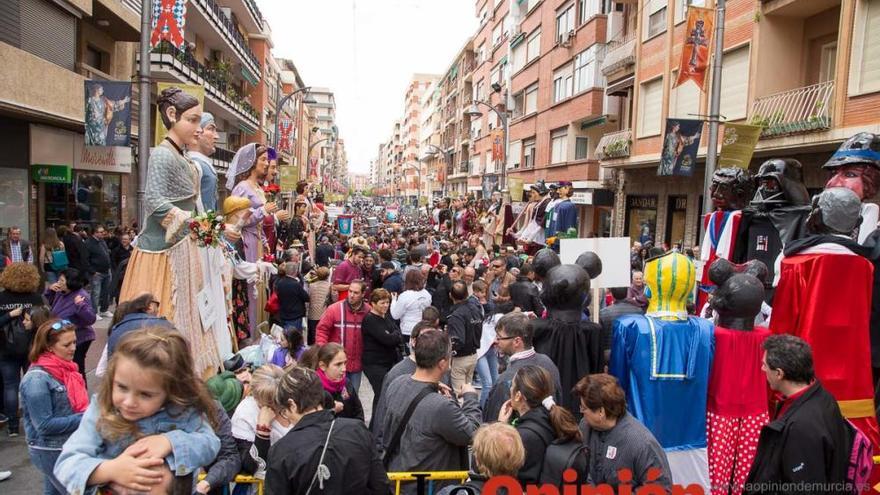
(207, 118)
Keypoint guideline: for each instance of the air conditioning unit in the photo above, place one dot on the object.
(568, 38)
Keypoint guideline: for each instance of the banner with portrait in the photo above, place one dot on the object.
(697, 46)
(108, 113)
(498, 145)
(168, 22)
(197, 91)
(738, 145)
(680, 144)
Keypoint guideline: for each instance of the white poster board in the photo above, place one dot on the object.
(614, 253)
(333, 212)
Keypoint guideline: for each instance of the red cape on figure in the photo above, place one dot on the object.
(825, 299)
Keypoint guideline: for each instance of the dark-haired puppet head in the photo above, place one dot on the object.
(835, 211)
(545, 259)
(731, 188)
(182, 115)
(565, 288)
(780, 183)
(739, 293)
(591, 263)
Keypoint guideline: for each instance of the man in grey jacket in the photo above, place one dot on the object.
(513, 337)
(437, 435)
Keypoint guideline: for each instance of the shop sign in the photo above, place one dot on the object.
(642, 202)
(51, 174)
(582, 197)
(102, 158)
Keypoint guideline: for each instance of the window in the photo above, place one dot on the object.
(585, 74)
(533, 46)
(650, 104)
(519, 104)
(481, 53)
(496, 34)
(531, 99)
(528, 147)
(495, 75)
(484, 16)
(564, 22)
(735, 84)
(96, 58)
(581, 145)
(479, 90)
(865, 66)
(684, 100)
(587, 9)
(514, 157)
(518, 55)
(655, 17)
(562, 83)
(558, 139)
(681, 7)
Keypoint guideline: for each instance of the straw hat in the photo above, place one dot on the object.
(233, 204)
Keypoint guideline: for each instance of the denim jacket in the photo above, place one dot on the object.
(48, 418)
(193, 445)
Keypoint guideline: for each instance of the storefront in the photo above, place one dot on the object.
(676, 219)
(95, 188)
(15, 208)
(595, 208)
(641, 218)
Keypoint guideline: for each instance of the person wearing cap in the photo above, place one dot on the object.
(202, 156)
(856, 166)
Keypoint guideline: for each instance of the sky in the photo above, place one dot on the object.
(366, 52)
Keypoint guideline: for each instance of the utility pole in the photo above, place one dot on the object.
(143, 110)
(714, 105)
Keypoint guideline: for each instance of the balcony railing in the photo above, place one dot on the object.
(614, 145)
(619, 54)
(222, 158)
(796, 111)
(231, 32)
(463, 167)
(214, 78)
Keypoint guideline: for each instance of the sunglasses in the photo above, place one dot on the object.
(58, 325)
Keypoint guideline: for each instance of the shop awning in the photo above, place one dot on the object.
(619, 88)
(248, 76)
(586, 124)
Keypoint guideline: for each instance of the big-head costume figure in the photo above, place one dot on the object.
(856, 166)
(731, 190)
(662, 360)
(775, 216)
(824, 297)
(737, 403)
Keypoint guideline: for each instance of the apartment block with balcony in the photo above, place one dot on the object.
(437, 163)
(323, 141)
(456, 89)
(413, 171)
(49, 49)
(806, 70)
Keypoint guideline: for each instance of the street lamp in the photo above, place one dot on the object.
(432, 151)
(475, 113)
(283, 101)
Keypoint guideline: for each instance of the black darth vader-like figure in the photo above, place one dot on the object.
(572, 342)
(775, 217)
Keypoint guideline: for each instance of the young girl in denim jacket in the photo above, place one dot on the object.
(151, 421)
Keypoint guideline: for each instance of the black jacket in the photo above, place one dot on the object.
(351, 458)
(537, 434)
(465, 327)
(98, 256)
(351, 403)
(15, 341)
(120, 254)
(323, 254)
(441, 300)
(524, 294)
(382, 340)
(809, 444)
(393, 283)
(292, 299)
(76, 251)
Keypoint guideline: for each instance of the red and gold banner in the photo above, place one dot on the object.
(284, 129)
(498, 144)
(697, 46)
(169, 19)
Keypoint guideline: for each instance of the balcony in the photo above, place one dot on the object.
(214, 13)
(463, 167)
(186, 69)
(221, 159)
(620, 54)
(796, 111)
(614, 145)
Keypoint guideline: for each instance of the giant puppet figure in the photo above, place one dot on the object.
(249, 167)
(564, 216)
(166, 260)
(573, 343)
(528, 226)
(774, 218)
(662, 360)
(731, 190)
(824, 297)
(736, 408)
(856, 166)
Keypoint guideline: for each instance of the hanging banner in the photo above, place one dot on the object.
(738, 145)
(515, 186)
(490, 185)
(680, 146)
(313, 168)
(108, 113)
(197, 91)
(498, 144)
(284, 129)
(289, 177)
(696, 49)
(168, 21)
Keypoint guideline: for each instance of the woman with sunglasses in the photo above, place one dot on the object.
(53, 397)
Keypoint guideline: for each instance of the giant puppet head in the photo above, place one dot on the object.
(565, 288)
(835, 211)
(545, 260)
(856, 165)
(739, 292)
(670, 282)
(780, 183)
(731, 188)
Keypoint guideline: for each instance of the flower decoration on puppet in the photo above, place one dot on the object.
(271, 191)
(207, 228)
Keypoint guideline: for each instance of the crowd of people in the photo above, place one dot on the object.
(245, 354)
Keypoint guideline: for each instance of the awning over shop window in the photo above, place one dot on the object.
(619, 88)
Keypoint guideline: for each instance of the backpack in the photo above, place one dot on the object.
(14, 339)
(560, 456)
(861, 460)
(59, 260)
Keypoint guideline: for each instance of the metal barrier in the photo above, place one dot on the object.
(242, 479)
(430, 476)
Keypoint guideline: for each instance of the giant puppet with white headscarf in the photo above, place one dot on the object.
(249, 168)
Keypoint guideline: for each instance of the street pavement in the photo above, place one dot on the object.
(27, 480)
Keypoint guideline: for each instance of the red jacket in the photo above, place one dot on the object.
(330, 330)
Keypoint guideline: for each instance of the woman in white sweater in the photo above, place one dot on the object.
(408, 307)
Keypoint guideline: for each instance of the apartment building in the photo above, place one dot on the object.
(456, 95)
(434, 159)
(297, 112)
(324, 139)
(807, 70)
(412, 169)
(49, 49)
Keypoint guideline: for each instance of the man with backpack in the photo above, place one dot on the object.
(807, 447)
